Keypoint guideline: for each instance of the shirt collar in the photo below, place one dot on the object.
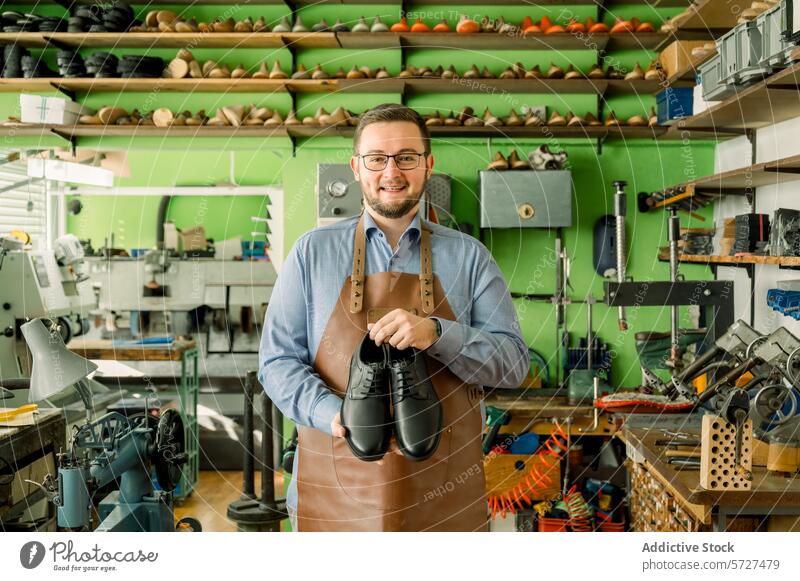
(370, 227)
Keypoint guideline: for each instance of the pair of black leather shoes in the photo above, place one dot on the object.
(380, 376)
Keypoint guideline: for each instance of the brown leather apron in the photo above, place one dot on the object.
(339, 492)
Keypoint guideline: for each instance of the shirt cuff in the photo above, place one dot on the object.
(450, 344)
(324, 412)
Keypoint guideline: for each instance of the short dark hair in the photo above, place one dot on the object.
(392, 112)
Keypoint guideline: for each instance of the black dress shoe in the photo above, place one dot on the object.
(417, 409)
(365, 409)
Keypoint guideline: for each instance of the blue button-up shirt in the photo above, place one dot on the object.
(483, 346)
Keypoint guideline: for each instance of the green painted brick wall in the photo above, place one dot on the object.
(524, 256)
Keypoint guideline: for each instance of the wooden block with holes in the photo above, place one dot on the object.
(504, 472)
(718, 470)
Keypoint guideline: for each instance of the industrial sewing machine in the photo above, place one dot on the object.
(127, 448)
(218, 302)
(51, 285)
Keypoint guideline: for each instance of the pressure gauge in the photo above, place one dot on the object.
(337, 188)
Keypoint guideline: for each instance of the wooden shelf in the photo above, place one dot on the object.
(663, 255)
(393, 85)
(495, 41)
(655, 3)
(742, 181)
(69, 131)
(170, 40)
(711, 16)
(620, 133)
(766, 102)
(91, 85)
(561, 86)
(352, 40)
(705, 19)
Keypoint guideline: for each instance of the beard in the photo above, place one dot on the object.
(395, 210)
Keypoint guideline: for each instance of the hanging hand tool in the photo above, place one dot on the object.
(620, 210)
(560, 301)
(495, 419)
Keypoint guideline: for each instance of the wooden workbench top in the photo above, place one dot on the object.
(42, 416)
(105, 349)
(769, 490)
(549, 406)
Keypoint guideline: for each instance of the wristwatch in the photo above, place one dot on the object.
(438, 328)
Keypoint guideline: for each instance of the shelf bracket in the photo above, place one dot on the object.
(51, 42)
(601, 10)
(600, 141)
(68, 93)
(73, 143)
(750, 134)
(790, 170)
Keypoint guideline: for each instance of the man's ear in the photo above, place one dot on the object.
(429, 162)
(354, 165)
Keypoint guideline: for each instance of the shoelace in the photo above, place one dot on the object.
(405, 385)
(374, 387)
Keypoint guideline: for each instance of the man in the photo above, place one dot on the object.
(411, 284)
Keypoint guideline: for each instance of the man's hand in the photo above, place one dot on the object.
(402, 330)
(337, 429)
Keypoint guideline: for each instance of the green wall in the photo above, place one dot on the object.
(524, 256)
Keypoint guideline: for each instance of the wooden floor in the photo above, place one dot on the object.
(209, 501)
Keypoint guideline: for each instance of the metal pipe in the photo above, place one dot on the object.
(248, 483)
(620, 210)
(267, 467)
(589, 337)
(674, 237)
(559, 296)
(277, 436)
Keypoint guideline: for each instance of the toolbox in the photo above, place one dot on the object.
(775, 47)
(674, 103)
(711, 78)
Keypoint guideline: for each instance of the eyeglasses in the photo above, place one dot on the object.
(403, 161)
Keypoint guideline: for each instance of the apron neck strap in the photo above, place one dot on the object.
(360, 263)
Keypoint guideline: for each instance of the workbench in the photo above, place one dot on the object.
(537, 414)
(28, 453)
(680, 488)
(181, 350)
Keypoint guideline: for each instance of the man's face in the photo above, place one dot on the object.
(392, 192)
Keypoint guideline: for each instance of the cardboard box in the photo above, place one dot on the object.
(172, 237)
(194, 238)
(51, 110)
(678, 56)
